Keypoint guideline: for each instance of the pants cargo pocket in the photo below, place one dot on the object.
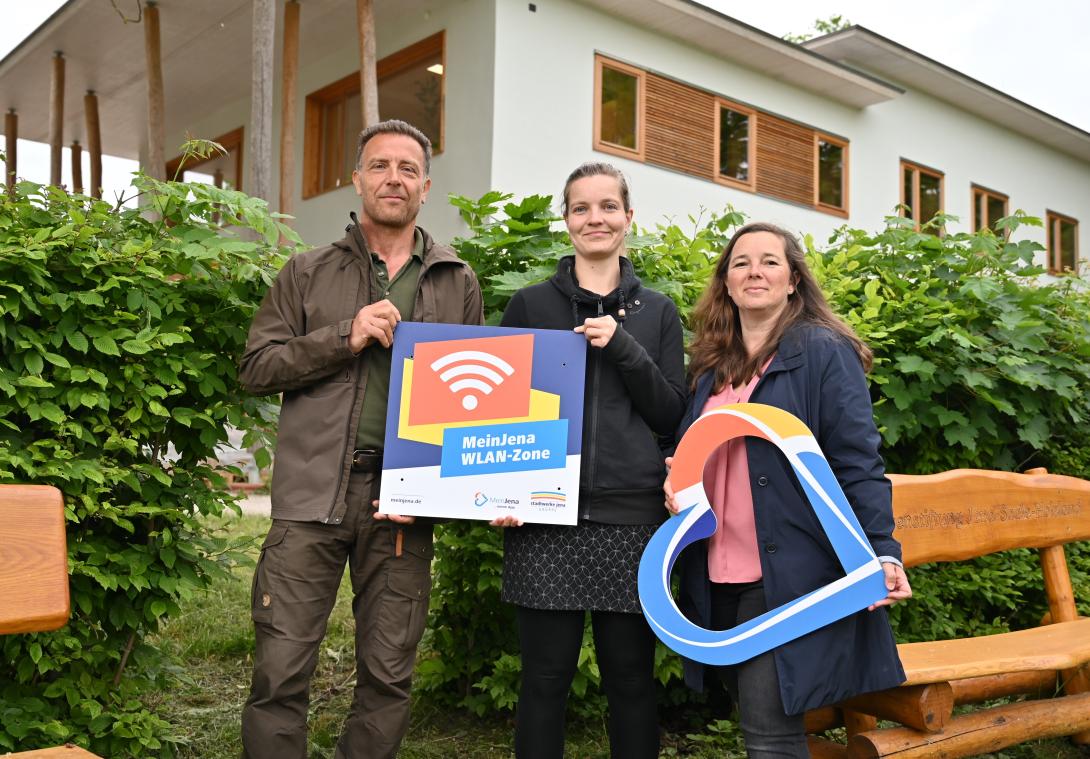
(262, 593)
(403, 609)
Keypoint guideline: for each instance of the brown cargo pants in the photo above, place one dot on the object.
(295, 586)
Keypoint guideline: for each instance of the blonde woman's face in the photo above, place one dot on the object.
(597, 220)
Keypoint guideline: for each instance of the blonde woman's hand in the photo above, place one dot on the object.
(506, 521)
(598, 331)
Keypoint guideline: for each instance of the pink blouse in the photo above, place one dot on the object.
(732, 550)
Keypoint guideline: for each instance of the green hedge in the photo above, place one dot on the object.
(980, 361)
(120, 329)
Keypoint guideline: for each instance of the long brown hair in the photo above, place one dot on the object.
(718, 345)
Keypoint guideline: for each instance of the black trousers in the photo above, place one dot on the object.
(625, 647)
(754, 684)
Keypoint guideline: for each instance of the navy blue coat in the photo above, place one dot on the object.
(817, 376)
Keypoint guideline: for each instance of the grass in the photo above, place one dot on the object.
(212, 643)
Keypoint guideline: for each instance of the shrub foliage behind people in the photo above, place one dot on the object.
(120, 329)
(979, 361)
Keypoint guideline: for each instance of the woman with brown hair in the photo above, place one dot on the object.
(764, 333)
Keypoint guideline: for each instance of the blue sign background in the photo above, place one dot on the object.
(559, 367)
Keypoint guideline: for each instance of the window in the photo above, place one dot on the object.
(1063, 243)
(921, 192)
(735, 148)
(988, 208)
(218, 169)
(410, 87)
(831, 177)
(618, 108)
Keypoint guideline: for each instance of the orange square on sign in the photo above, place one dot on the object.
(471, 380)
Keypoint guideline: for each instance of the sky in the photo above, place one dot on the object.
(1033, 51)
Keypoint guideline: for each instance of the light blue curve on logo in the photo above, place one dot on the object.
(862, 585)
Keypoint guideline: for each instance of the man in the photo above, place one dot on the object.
(322, 338)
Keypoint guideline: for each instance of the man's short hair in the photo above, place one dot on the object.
(396, 126)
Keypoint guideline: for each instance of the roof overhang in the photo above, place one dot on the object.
(858, 46)
(205, 53)
(725, 37)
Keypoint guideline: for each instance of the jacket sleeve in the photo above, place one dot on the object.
(280, 354)
(850, 441)
(474, 303)
(657, 390)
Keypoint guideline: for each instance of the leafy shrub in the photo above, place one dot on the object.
(979, 362)
(120, 329)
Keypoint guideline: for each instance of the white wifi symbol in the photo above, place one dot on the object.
(472, 383)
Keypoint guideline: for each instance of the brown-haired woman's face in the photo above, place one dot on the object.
(596, 218)
(759, 277)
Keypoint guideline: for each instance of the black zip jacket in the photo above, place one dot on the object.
(634, 390)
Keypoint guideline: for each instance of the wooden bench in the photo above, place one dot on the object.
(958, 515)
(34, 575)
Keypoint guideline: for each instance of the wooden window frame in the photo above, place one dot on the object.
(348, 86)
(1052, 238)
(917, 168)
(639, 154)
(230, 141)
(751, 144)
(844, 145)
(985, 194)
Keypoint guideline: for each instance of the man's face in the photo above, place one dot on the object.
(390, 180)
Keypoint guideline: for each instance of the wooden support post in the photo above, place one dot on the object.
(365, 17)
(11, 143)
(56, 119)
(1061, 607)
(924, 707)
(820, 720)
(217, 178)
(157, 162)
(94, 142)
(287, 106)
(985, 731)
(77, 168)
(259, 178)
(858, 722)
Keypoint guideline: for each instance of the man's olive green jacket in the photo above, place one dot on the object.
(298, 346)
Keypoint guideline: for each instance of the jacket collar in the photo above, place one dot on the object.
(355, 244)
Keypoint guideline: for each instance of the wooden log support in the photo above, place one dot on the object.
(157, 162)
(924, 707)
(288, 106)
(11, 146)
(822, 748)
(56, 119)
(973, 690)
(858, 722)
(259, 177)
(365, 17)
(77, 167)
(825, 718)
(981, 732)
(94, 142)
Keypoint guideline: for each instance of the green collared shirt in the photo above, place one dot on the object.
(371, 432)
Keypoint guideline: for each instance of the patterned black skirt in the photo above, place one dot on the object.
(589, 566)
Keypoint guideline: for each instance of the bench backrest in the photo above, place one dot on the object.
(965, 513)
(33, 559)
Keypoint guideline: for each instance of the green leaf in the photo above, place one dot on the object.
(106, 345)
